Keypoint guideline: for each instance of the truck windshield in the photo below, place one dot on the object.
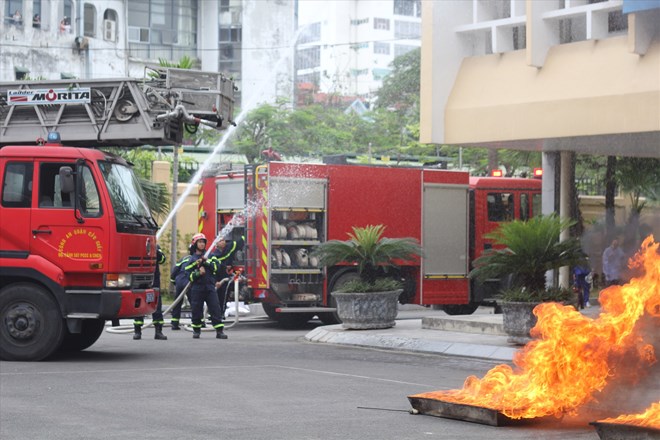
(128, 201)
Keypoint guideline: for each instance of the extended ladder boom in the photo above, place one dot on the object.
(122, 112)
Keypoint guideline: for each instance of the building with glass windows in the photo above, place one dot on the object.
(250, 40)
(346, 47)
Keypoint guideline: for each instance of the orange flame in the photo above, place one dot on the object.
(650, 418)
(549, 374)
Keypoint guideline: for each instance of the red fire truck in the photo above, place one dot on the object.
(77, 239)
(290, 208)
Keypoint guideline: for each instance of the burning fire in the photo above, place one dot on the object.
(573, 356)
(649, 418)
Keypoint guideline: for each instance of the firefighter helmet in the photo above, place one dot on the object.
(196, 238)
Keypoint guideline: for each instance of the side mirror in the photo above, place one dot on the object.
(66, 180)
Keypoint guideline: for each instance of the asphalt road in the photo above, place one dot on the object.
(261, 383)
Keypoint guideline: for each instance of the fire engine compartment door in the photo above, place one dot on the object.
(230, 195)
(293, 193)
(445, 230)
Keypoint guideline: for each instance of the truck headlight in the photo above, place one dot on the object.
(117, 280)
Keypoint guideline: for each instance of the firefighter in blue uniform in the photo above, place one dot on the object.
(223, 255)
(201, 272)
(157, 315)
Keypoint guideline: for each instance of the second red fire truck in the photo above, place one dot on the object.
(290, 208)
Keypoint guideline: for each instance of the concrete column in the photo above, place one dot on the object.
(549, 164)
(209, 35)
(565, 209)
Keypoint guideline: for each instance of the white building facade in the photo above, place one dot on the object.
(346, 47)
(61, 39)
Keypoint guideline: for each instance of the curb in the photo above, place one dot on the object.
(334, 334)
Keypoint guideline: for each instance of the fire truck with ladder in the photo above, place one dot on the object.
(77, 239)
(298, 206)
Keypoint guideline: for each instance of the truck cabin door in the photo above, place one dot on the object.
(72, 233)
(15, 207)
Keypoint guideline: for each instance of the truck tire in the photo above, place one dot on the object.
(460, 309)
(90, 333)
(31, 326)
(337, 280)
(269, 310)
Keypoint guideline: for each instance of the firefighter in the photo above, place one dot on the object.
(179, 279)
(201, 272)
(157, 315)
(223, 255)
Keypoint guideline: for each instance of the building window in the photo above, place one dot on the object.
(21, 73)
(231, 35)
(90, 20)
(308, 58)
(617, 22)
(17, 185)
(360, 21)
(409, 8)
(407, 30)
(519, 37)
(382, 24)
(381, 48)
(357, 46)
(162, 28)
(359, 72)
(14, 12)
(311, 78)
(380, 73)
(401, 49)
(310, 33)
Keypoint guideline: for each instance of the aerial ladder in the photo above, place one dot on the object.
(120, 112)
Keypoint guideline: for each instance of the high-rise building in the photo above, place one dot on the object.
(346, 46)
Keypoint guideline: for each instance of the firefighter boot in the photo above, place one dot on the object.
(175, 325)
(138, 332)
(196, 333)
(159, 332)
(220, 334)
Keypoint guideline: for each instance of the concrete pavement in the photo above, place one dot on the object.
(480, 335)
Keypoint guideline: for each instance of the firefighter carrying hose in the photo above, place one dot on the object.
(157, 315)
(201, 273)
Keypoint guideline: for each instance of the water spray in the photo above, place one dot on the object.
(250, 104)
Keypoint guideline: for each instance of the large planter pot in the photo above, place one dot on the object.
(364, 311)
(518, 320)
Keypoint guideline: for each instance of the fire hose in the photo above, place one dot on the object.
(236, 279)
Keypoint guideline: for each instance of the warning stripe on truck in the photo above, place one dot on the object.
(264, 231)
(200, 210)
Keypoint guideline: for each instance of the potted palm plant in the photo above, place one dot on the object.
(369, 301)
(524, 251)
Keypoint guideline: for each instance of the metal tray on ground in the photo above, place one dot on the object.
(623, 431)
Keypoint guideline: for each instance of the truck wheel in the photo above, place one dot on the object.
(31, 326)
(339, 279)
(269, 310)
(460, 309)
(90, 333)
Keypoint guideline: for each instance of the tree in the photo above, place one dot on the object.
(400, 89)
(637, 177)
(530, 249)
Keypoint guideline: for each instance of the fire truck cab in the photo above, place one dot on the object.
(77, 239)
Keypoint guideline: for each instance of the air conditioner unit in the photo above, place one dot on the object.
(109, 30)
